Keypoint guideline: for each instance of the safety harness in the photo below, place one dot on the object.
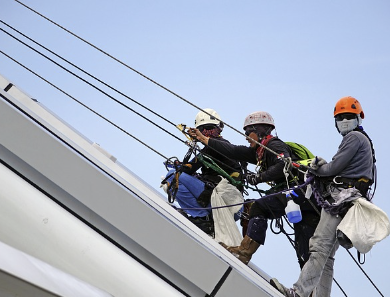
(206, 161)
(209, 163)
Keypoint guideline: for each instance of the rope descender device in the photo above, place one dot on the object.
(182, 128)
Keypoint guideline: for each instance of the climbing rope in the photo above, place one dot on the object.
(308, 181)
(82, 104)
(85, 72)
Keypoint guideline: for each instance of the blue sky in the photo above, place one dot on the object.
(293, 59)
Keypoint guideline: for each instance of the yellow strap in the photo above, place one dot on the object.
(182, 128)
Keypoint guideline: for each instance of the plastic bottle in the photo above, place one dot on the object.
(293, 211)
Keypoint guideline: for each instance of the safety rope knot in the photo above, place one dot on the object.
(286, 169)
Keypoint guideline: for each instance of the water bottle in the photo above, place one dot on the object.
(293, 211)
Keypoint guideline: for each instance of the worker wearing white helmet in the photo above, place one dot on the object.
(208, 118)
(194, 191)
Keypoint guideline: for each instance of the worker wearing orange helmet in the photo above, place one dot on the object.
(344, 179)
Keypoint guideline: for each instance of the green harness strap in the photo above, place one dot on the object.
(209, 163)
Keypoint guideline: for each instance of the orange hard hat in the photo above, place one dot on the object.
(348, 105)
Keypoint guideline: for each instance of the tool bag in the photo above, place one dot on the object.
(226, 229)
(365, 224)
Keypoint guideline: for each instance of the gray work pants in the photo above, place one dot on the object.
(318, 271)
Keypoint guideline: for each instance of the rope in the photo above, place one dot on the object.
(87, 73)
(144, 76)
(79, 102)
(364, 273)
(219, 170)
(309, 180)
(108, 55)
(90, 84)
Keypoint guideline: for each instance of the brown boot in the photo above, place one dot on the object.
(245, 250)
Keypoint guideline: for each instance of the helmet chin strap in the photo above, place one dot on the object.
(261, 132)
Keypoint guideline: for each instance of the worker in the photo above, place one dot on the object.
(195, 189)
(345, 178)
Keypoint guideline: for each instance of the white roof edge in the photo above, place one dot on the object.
(42, 275)
(100, 165)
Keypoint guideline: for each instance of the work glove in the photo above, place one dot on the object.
(317, 162)
(253, 178)
(164, 185)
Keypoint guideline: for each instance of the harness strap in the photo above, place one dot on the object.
(211, 164)
(362, 183)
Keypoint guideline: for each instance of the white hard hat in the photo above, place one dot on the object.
(259, 117)
(202, 118)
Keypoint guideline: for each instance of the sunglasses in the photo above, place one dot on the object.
(345, 116)
(249, 130)
(206, 127)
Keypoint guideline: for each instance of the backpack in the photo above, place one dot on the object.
(300, 153)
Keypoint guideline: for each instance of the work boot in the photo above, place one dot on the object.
(245, 250)
(282, 289)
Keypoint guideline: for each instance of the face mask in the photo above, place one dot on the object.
(346, 126)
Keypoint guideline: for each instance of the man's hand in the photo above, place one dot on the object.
(253, 178)
(196, 134)
(317, 162)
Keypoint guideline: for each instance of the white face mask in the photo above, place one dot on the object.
(346, 126)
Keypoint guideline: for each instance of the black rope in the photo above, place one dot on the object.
(87, 73)
(79, 102)
(92, 85)
(341, 289)
(364, 272)
(108, 55)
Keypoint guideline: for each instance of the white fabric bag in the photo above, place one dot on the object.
(226, 229)
(365, 224)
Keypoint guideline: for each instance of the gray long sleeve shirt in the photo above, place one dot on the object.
(352, 160)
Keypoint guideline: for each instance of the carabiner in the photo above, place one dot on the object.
(335, 182)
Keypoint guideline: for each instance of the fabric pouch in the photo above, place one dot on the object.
(365, 224)
(226, 229)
